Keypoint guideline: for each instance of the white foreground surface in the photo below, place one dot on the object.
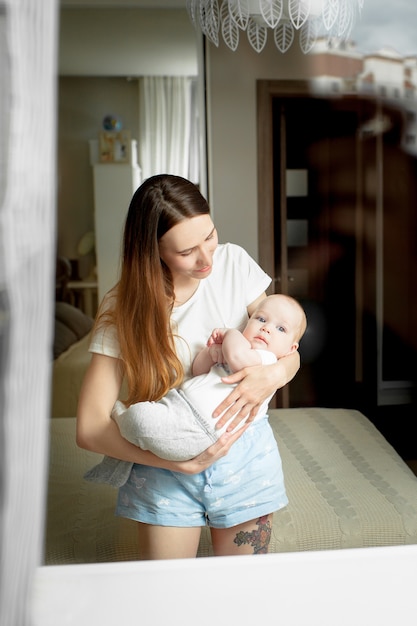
(372, 586)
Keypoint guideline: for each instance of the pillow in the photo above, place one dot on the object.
(73, 318)
(63, 339)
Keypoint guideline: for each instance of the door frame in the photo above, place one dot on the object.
(266, 91)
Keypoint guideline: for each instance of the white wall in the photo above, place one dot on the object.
(123, 42)
(232, 136)
(119, 42)
(98, 49)
(83, 103)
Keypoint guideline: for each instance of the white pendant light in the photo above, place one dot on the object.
(312, 18)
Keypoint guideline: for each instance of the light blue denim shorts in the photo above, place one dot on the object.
(245, 484)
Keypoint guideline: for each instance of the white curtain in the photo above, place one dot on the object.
(28, 54)
(168, 126)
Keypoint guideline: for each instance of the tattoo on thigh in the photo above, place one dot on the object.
(258, 538)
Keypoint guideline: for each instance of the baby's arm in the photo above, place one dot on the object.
(226, 345)
(206, 358)
(237, 351)
(211, 353)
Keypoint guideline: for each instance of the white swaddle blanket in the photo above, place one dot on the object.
(170, 428)
(178, 427)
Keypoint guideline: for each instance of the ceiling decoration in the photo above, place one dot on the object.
(281, 19)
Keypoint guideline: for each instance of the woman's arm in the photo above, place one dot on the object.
(254, 305)
(96, 430)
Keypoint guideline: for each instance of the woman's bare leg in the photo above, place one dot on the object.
(252, 537)
(167, 542)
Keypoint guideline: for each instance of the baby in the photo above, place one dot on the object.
(180, 425)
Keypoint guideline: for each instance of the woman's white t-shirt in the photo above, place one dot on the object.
(220, 301)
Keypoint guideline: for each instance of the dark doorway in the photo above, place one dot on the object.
(337, 194)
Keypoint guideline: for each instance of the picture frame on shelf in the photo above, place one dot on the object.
(115, 147)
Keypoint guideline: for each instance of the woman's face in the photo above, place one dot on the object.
(188, 248)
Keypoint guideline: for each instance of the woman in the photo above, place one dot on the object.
(176, 284)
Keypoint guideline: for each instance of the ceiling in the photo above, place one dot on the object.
(118, 4)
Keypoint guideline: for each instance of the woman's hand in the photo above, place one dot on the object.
(255, 384)
(209, 456)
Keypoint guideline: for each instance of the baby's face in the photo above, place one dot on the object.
(273, 326)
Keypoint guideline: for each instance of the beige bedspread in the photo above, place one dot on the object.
(67, 375)
(347, 487)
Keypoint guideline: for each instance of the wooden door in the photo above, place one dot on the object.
(315, 224)
(337, 197)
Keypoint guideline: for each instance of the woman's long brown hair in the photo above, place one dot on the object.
(144, 295)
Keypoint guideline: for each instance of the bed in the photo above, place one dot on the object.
(347, 488)
(70, 358)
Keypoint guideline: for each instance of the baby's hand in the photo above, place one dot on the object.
(216, 353)
(217, 336)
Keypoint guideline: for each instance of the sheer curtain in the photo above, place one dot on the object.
(168, 126)
(28, 54)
